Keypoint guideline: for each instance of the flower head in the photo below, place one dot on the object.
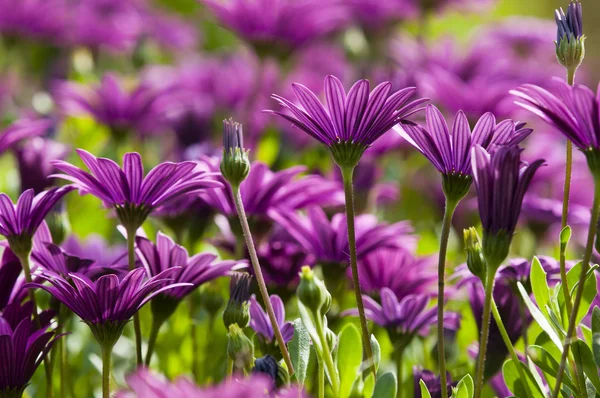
(237, 309)
(501, 181)
(235, 164)
(261, 324)
(132, 195)
(570, 48)
(20, 221)
(34, 161)
(23, 346)
(281, 261)
(353, 120)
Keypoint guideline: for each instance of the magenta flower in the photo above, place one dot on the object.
(20, 221)
(34, 161)
(281, 261)
(38, 19)
(96, 248)
(352, 121)
(261, 324)
(133, 196)
(22, 129)
(23, 347)
(11, 282)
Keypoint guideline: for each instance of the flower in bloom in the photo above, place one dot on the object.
(261, 324)
(327, 240)
(107, 304)
(281, 261)
(265, 193)
(282, 24)
(132, 195)
(111, 104)
(10, 283)
(501, 181)
(194, 271)
(398, 270)
(39, 19)
(22, 129)
(432, 381)
(96, 248)
(353, 120)
(19, 222)
(23, 347)
(34, 160)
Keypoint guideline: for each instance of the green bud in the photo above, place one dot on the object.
(240, 348)
(495, 249)
(235, 164)
(59, 226)
(237, 309)
(570, 52)
(456, 186)
(312, 292)
(475, 260)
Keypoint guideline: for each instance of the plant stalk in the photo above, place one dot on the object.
(485, 331)
(131, 232)
(106, 354)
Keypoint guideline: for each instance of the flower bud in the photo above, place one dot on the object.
(456, 186)
(495, 248)
(312, 292)
(235, 164)
(237, 309)
(475, 261)
(269, 366)
(570, 40)
(240, 348)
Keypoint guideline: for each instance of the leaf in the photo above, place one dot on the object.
(539, 317)
(565, 236)
(596, 335)
(583, 354)
(424, 390)
(368, 385)
(514, 382)
(300, 351)
(539, 285)
(464, 388)
(376, 352)
(349, 358)
(386, 386)
(548, 364)
(589, 294)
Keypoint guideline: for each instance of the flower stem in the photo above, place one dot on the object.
(509, 346)
(106, 354)
(131, 232)
(239, 205)
(156, 324)
(327, 357)
(321, 371)
(229, 366)
(347, 174)
(485, 330)
(571, 332)
(446, 225)
(399, 357)
(62, 351)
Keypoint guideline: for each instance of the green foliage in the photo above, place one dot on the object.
(299, 349)
(386, 386)
(349, 358)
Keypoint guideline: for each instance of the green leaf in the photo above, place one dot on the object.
(349, 358)
(589, 294)
(300, 351)
(539, 317)
(596, 335)
(464, 388)
(548, 364)
(514, 382)
(583, 354)
(368, 385)
(376, 352)
(539, 285)
(386, 386)
(424, 390)
(565, 236)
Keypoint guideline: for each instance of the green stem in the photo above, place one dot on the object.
(156, 324)
(509, 346)
(62, 352)
(571, 331)
(327, 357)
(131, 232)
(229, 366)
(321, 381)
(399, 374)
(446, 226)
(485, 331)
(347, 174)
(239, 205)
(106, 354)
(195, 346)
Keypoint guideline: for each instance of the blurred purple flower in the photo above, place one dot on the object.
(375, 14)
(281, 262)
(327, 240)
(35, 19)
(166, 254)
(261, 324)
(22, 129)
(266, 193)
(11, 280)
(23, 347)
(96, 248)
(133, 195)
(140, 110)
(169, 31)
(281, 25)
(34, 160)
(398, 270)
(432, 381)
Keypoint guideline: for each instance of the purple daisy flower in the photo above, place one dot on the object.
(20, 221)
(432, 381)
(261, 324)
(266, 193)
(327, 240)
(353, 120)
(38, 19)
(96, 248)
(34, 160)
(133, 196)
(501, 181)
(280, 262)
(139, 110)
(23, 346)
(22, 129)
(11, 281)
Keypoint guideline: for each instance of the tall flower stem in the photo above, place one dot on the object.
(485, 331)
(106, 355)
(509, 346)
(446, 226)
(565, 210)
(136, 317)
(24, 260)
(156, 324)
(239, 205)
(327, 358)
(321, 381)
(578, 296)
(399, 358)
(347, 174)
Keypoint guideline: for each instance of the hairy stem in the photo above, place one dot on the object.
(347, 173)
(239, 205)
(485, 331)
(446, 226)
(136, 317)
(571, 331)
